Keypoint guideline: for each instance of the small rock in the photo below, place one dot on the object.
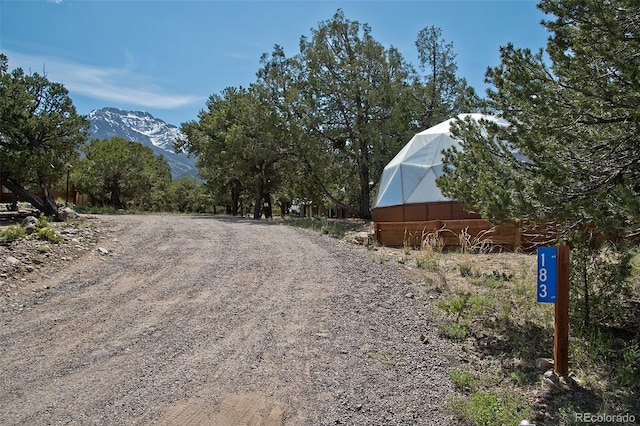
(29, 224)
(67, 213)
(575, 379)
(551, 378)
(12, 261)
(362, 238)
(103, 250)
(544, 364)
(566, 382)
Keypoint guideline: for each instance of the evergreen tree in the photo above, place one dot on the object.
(441, 94)
(349, 105)
(570, 158)
(574, 115)
(40, 133)
(123, 174)
(342, 97)
(239, 149)
(187, 195)
(325, 122)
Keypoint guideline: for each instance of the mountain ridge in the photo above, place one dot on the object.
(144, 128)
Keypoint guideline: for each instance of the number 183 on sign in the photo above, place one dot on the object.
(547, 274)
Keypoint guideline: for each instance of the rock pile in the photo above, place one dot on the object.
(25, 261)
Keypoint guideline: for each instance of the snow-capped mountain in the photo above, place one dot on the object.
(140, 126)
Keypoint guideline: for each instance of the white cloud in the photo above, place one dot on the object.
(108, 83)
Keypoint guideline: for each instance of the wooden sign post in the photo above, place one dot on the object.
(561, 322)
(553, 287)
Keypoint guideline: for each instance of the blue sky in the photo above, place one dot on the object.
(167, 57)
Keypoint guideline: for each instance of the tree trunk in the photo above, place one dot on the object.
(235, 197)
(268, 210)
(257, 207)
(115, 197)
(365, 209)
(365, 192)
(46, 205)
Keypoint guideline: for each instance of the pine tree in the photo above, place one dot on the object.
(575, 117)
(40, 133)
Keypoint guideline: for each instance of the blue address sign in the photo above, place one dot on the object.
(547, 274)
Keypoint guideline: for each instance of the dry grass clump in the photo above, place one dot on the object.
(486, 302)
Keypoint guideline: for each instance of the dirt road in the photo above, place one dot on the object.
(209, 321)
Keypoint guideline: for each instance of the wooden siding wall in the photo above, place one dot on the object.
(422, 212)
(473, 233)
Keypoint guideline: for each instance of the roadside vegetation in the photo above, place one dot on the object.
(40, 229)
(486, 303)
(484, 300)
(337, 228)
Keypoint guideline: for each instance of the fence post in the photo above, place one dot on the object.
(561, 323)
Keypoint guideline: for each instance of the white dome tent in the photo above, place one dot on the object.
(408, 190)
(410, 206)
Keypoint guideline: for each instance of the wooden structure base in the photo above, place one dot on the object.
(472, 234)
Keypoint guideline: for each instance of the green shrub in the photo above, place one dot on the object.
(463, 379)
(42, 222)
(601, 283)
(627, 370)
(427, 263)
(12, 233)
(487, 409)
(454, 330)
(466, 305)
(48, 234)
(466, 269)
(455, 306)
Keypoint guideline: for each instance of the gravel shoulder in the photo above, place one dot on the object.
(203, 320)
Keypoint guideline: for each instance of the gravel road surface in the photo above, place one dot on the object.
(218, 321)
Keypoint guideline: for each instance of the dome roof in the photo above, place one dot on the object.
(410, 177)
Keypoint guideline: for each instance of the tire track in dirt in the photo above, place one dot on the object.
(218, 312)
(199, 320)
